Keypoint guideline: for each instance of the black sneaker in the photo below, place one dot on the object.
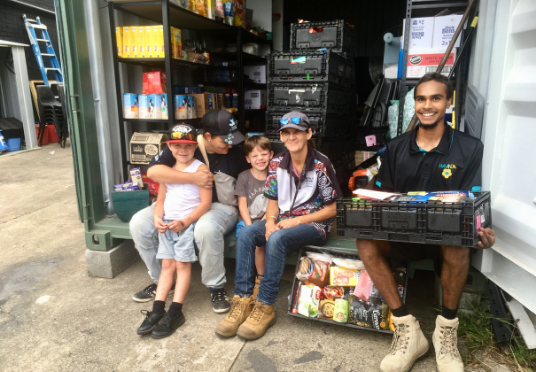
(150, 322)
(167, 325)
(148, 293)
(219, 301)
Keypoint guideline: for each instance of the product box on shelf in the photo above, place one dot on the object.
(424, 222)
(219, 9)
(353, 302)
(176, 43)
(154, 82)
(130, 106)
(154, 102)
(421, 33)
(134, 39)
(143, 106)
(119, 40)
(126, 42)
(254, 99)
(423, 61)
(181, 3)
(240, 11)
(164, 106)
(141, 43)
(444, 28)
(144, 146)
(181, 106)
(257, 74)
(198, 7)
(203, 104)
(336, 35)
(301, 66)
(162, 50)
(148, 42)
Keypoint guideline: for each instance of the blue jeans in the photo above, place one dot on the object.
(208, 234)
(278, 245)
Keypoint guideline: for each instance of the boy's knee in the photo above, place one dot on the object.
(204, 229)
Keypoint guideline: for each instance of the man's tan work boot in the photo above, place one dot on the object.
(261, 318)
(256, 288)
(445, 340)
(241, 307)
(409, 344)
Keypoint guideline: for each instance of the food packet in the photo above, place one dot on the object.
(349, 263)
(332, 293)
(304, 267)
(320, 273)
(357, 312)
(369, 314)
(343, 277)
(363, 287)
(320, 256)
(309, 301)
(326, 310)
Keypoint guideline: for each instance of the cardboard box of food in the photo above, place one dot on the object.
(257, 74)
(254, 99)
(361, 156)
(421, 33)
(202, 104)
(143, 106)
(144, 146)
(134, 39)
(154, 103)
(444, 28)
(176, 43)
(423, 61)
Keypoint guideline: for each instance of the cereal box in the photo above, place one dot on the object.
(153, 104)
(119, 41)
(143, 108)
(134, 42)
(126, 42)
(130, 106)
(140, 42)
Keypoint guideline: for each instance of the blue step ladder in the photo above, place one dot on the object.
(31, 26)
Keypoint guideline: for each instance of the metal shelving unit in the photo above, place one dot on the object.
(168, 14)
(429, 8)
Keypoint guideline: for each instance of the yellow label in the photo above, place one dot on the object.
(119, 41)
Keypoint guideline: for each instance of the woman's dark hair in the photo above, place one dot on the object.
(435, 76)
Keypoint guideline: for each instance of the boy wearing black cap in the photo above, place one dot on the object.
(225, 162)
(177, 208)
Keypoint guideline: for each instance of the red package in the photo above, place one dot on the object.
(363, 287)
(154, 82)
(151, 185)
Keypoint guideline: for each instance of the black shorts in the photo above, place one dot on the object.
(403, 253)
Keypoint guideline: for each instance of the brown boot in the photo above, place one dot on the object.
(255, 326)
(240, 310)
(256, 288)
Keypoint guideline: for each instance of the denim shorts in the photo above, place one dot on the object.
(177, 246)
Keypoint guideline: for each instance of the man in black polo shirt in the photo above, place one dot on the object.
(432, 157)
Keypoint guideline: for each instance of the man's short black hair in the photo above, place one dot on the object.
(436, 76)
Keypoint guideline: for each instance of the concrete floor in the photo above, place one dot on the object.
(54, 317)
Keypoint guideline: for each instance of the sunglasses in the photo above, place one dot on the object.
(294, 120)
(182, 136)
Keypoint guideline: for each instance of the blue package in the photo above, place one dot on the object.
(452, 196)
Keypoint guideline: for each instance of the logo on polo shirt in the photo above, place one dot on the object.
(447, 169)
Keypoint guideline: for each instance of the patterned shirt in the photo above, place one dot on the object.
(318, 187)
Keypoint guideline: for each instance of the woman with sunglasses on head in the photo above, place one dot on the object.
(302, 189)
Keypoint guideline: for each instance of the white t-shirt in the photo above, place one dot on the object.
(182, 198)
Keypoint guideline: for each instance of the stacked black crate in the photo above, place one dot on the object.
(317, 77)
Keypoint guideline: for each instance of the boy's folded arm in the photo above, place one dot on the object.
(243, 209)
(203, 207)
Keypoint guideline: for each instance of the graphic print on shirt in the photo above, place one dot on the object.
(257, 208)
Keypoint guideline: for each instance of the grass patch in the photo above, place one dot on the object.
(477, 333)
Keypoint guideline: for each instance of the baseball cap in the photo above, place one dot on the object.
(182, 133)
(296, 120)
(223, 124)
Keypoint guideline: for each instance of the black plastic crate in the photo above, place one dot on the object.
(324, 98)
(322, 66)
(322, 125)
(336, 35)
(342, 254)
(430, 222)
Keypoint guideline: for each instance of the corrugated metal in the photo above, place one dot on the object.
(509, 133)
